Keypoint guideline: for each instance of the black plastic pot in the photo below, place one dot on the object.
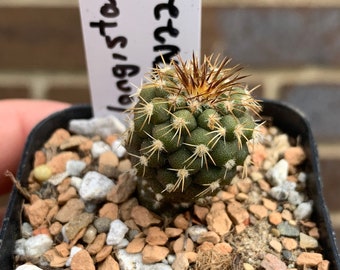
(288, 119)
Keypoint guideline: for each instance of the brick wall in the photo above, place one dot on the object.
(291, 48)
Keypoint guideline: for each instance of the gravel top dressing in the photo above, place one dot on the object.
(82, 211)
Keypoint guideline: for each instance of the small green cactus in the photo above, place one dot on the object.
(189, 131)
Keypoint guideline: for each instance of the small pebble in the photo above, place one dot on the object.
(37, 212)
(324, 265)
(109, 210)
(75, 167)
(309, 259)
(26, 230)
(99, 148)
(278, 173)
(95, 186)
(155, 236)
(238, 213)
(183, 244)
(208, 237)
(76, 223)
(259, 211)
(103, 253)
(304, 210)
(295, 197)
(90, 234)
(134, 261)
(223, 248)
(307, 242)
(36, 246)
(195, 231)
(275, 218)
(152, 254)
(302, 177)
(175, 232)
(288, 255)
(279, 193)
(122, 244)
(28, 267)
(218, 220)
(42, 172)
(136, 245)
(102, 224)
(286, 215)
(82, 261)
(19, 247)
(269, 204)
(72, 208)
(107, 163)
(247, 266)
(276, 245)
(97, 244)
(117, 232)
(271, 262)
(295, 155)
(102, 126)
(181, 262)
(288, 230)
(76, 182)
(289, 243)
(118, 148)
(74, 250)
(143, 217)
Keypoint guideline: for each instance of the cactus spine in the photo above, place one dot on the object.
(189, 130)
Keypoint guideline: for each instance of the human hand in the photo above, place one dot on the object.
(17, 118)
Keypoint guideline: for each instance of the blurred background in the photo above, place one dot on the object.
(291, 48)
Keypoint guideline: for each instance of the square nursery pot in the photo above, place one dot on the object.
(286, 118)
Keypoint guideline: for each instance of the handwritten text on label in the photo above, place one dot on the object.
(124, 39)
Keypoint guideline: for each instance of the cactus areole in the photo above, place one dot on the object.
(189, 131)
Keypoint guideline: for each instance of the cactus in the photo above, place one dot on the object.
(189, 131)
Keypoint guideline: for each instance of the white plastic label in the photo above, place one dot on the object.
(124, 39)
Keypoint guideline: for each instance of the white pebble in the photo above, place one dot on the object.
(129, 261)
(73, 252)
(102, 126)
(99, 148)
(304, 210)
(95, 186)
(123, 244)
(295, 197)
(156, 266)
(26, 230)
(63, 233)
(171, 258)
(37, 245)
(290, 186)
(117, 232)
(279, 173)
(19, 248)
(56, 179)
(279, 193)
(282, 191)
(28, 267)
(302, 177)
(76, 182)
(118, 148)
(195, 232)
(75, 167)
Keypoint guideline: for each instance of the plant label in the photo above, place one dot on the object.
(125, 39)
